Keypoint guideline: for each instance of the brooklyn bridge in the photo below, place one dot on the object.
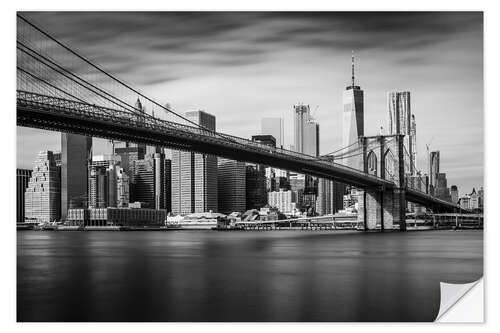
(59, 89)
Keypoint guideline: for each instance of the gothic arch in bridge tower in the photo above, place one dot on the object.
(390, 169)
(372, 166)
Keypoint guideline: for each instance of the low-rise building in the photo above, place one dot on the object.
(111, 216)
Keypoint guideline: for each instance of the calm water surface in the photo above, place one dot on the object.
(240, 276)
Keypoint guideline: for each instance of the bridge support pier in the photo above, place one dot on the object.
(380, 210)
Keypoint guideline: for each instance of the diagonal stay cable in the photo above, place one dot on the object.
(60, 89)
(74, 78)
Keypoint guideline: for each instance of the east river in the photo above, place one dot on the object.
(240, 276)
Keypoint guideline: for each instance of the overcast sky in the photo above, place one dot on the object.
(245, 66)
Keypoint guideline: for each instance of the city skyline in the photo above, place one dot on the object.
(310, 64)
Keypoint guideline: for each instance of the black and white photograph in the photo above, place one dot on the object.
(247, 166)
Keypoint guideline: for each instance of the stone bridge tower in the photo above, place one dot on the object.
(381, 208)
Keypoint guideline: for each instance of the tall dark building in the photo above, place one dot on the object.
(454, 194)
(256, 193)
(162, 181)
(167, 184)
(75, 156)
(142, 182)
(441, 189)
(22, 179)
(231, 186)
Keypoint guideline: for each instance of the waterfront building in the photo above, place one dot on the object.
(231, 186)
(350, 199)
(194, 176)
(353, 118)
(22, 179)
(470, 201)
(75, 157)
(474, 199)
(274, 127)
(401, 121)
(284, 201)
(454, 194)
(43, 194)
(111, 216)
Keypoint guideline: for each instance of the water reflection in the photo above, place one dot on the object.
(240, 276)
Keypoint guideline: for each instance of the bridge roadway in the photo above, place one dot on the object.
(59, 114)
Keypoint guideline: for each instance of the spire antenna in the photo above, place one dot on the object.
(352, 67)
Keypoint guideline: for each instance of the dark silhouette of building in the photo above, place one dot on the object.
(256, 193)
(75, 156)
(22, 179)
(142, 182)
(231, 186)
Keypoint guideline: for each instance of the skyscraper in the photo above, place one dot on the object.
(194, 176)
(22, 179)
(330, 197)
(274, 127)
(307, 142)
(413, 144)
(301, 116)
(306, 131)
(353, 118)
(311, 138)
(256, 191)
(43, 195)
(75, 157)
(231, 186)
(401, 121)
(433, 170)
(441, 189)
(143, 180)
